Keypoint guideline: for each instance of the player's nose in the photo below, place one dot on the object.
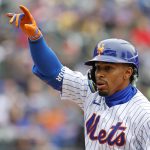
(99, 74)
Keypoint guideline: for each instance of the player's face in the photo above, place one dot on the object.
(112, 77)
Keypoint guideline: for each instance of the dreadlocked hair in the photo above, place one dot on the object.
(134, 76)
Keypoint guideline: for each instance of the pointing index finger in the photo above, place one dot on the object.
(26, 12)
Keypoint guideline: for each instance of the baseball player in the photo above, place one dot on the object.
(116, 113)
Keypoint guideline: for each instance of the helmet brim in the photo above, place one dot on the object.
(102, 58)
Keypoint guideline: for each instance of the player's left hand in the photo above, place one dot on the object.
(26, 22)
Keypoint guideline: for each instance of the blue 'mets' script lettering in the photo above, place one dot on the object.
(104, 137)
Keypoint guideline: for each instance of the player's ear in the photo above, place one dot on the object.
(128, 72)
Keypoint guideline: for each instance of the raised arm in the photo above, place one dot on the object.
(46, 64)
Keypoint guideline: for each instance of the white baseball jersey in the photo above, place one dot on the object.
(121, 127)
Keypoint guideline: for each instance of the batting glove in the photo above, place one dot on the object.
(26, 22)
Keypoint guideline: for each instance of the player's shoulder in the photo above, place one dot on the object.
(70, 73)
(75, 78)
(140, 96)
(142, 102)
(142, 107)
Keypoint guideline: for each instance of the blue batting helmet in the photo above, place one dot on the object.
(114, 51)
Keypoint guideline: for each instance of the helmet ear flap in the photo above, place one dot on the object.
(91, 80)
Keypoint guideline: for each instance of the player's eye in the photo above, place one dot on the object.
(98, 68)
(107, 68)
(104, 68)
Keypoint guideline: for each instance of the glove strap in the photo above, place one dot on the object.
(36, 36)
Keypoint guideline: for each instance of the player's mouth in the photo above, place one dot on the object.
(101, 85)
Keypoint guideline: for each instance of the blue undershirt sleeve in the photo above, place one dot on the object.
(47, 66)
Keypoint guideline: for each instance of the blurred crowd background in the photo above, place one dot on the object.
(32, 117)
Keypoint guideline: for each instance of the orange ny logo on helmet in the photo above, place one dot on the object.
(100, 48)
